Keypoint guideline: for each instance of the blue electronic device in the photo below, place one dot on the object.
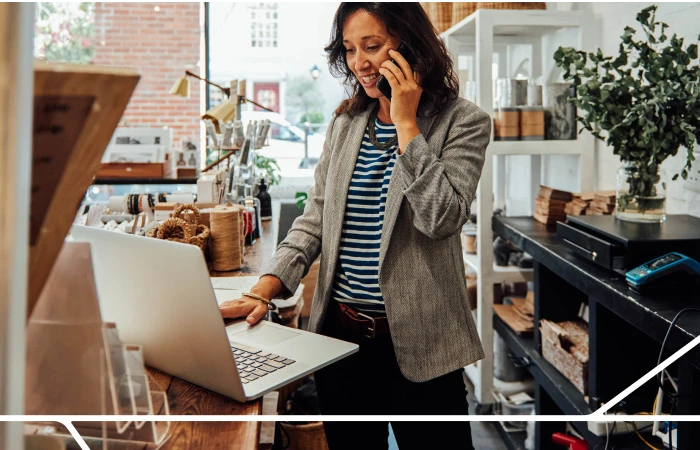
(672, 270)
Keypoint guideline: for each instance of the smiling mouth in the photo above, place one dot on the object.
(369, 79)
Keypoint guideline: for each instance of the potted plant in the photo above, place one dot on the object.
(645, 103)
(268, 169)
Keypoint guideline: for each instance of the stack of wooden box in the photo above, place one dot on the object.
(578, 204)
(591, 204)
(550, 205)
(603, 203)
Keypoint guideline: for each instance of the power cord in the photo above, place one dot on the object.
(607, 440)
(663, 345)
(634, 425)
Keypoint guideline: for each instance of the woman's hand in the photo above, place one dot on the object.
(405, 90)
(268, 287)
(245, 306)
(405, 97)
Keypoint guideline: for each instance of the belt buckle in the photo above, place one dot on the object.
(372, 328)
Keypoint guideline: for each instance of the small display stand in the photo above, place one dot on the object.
(77, 365)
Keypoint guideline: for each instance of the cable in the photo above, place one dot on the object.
(642, 437)
(663, 344)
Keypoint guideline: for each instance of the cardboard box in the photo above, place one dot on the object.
(565, 346)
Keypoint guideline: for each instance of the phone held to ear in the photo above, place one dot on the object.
(382, 83)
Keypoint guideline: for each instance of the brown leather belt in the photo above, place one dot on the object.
(362, 324)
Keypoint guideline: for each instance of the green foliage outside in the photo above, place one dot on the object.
(269, 168)
(644, 102)
(313, 117)
(65, 32)
(304, 100)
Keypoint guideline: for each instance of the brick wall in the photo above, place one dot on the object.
(160, 45)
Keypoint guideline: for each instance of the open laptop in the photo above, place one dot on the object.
(161, 297)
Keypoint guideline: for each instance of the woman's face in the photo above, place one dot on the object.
(367, 44)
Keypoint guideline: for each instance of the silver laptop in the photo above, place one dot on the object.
(161, 297)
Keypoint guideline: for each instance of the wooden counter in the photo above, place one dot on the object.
(185, 398)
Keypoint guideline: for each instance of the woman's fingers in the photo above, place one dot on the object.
(253, 309)
(406, 70)
(386, 73)
(394, 70)
(235, 308)
(258, 313)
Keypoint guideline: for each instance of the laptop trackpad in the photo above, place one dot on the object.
(263, 335)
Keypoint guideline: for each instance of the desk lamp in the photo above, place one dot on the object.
(224, 111)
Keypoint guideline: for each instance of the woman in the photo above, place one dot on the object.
(391, 193)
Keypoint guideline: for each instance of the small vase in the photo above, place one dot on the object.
(641, 194)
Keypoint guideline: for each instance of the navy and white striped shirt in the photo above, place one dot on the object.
(356, 281)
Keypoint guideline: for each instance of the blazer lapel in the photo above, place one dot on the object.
(394, 196)
(340, 175)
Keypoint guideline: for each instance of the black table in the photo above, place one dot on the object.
(625, 331)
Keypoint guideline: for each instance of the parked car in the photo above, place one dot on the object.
(286, 143)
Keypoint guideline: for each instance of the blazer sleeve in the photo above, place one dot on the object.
(301, 247)
(440, 189)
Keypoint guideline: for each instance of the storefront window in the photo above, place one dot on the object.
(285, 69)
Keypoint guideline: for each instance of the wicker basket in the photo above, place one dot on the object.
(441, 15)
(511, 5)
(179, 230)
(305, 436)
(460, 10)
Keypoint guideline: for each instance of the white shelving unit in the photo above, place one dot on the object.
(482, 34)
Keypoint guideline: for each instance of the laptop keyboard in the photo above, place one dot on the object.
(253, 363)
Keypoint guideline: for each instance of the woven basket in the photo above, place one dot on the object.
(460, 10)
(305, 436)
(441, 15)
(179, 230)
(511, 5)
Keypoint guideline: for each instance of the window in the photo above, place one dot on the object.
(65, 32)
(263, 24)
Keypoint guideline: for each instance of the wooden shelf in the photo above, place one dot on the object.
(127, 181)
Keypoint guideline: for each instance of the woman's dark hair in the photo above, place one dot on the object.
(409, 23)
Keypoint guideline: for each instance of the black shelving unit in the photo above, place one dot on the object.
(625, 332)
(558, 388)
(514, 440)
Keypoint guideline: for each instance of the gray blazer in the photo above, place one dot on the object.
(421, 269)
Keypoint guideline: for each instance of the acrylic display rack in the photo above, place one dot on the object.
(77, 365)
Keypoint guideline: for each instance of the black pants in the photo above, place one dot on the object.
(370, 383)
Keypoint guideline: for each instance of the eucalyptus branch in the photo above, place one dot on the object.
(645, 101)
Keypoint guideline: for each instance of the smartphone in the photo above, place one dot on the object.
(382, 83)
